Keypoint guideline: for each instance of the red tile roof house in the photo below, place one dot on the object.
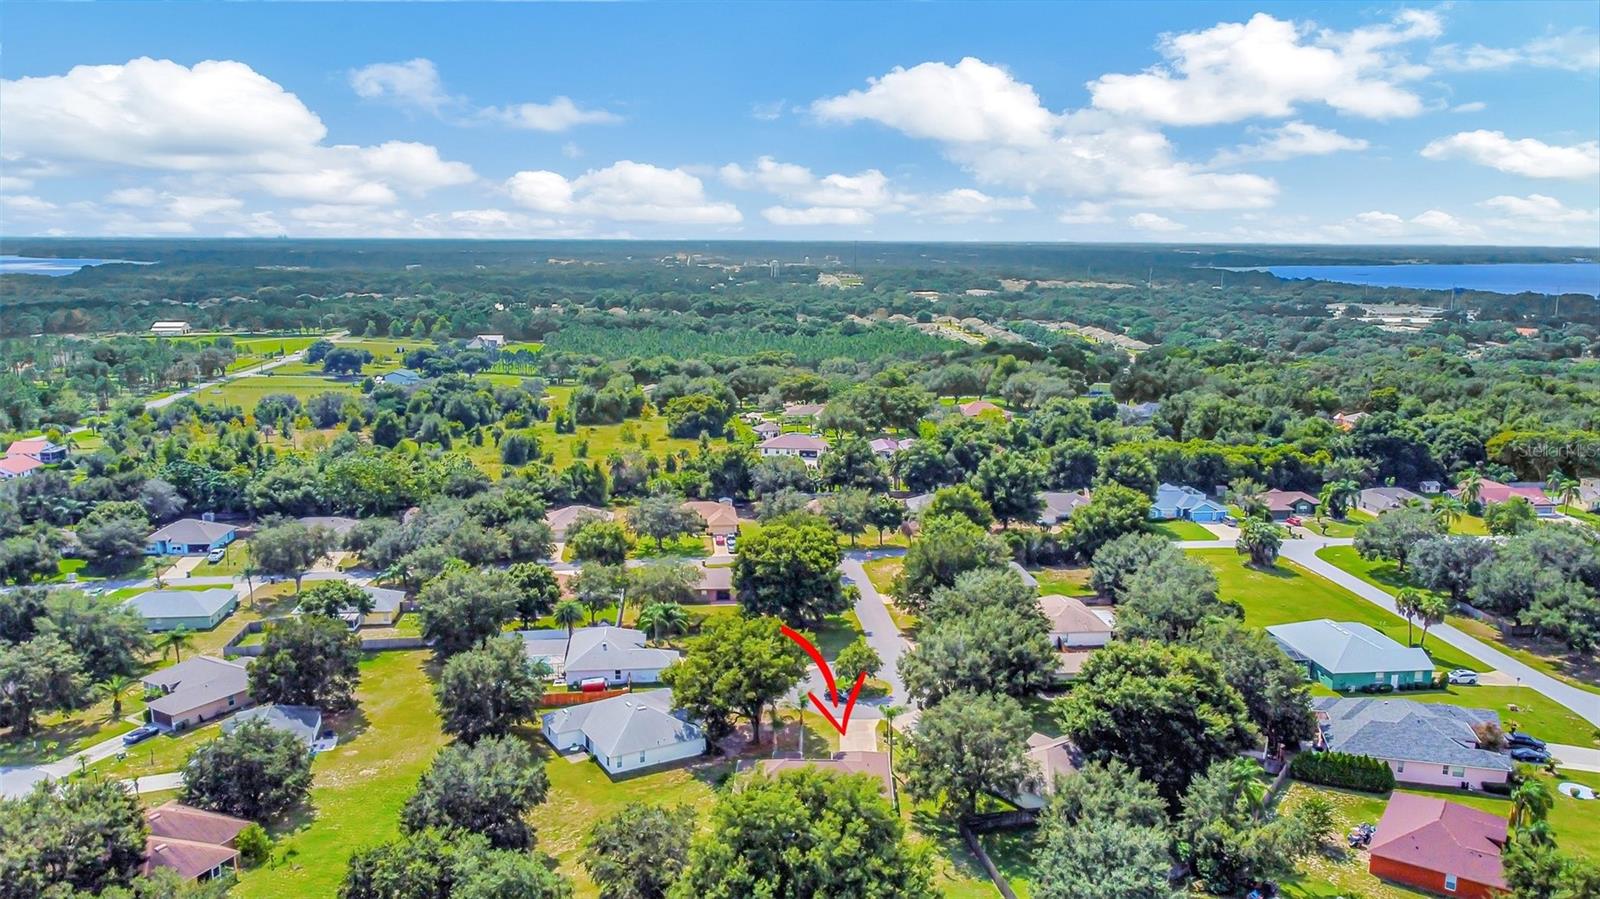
(193, 842)
(1440, 847)
(979, 407)
(38, 448)
(1493, 492)
(18, 467)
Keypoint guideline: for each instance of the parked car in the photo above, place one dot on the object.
(1530, 755)
(215, 556)
(1518, 738)
(139, 734)
(1293, 521)
(1464, 676)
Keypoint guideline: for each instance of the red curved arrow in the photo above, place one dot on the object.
(827, 676)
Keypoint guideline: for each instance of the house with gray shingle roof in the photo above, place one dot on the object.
(195, 610)
(304, 722)
(626, 733)
(1423, 742)
(1348, 655)
(189, 537)
(196, 690)
(617, 654)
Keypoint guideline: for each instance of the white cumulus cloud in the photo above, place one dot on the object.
(1526, 156)
(1267, 66)
(625, 191)
(1149, 221)
(412, 83)
(1288, 141)
(560, 114)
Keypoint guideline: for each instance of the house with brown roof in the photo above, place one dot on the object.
(1284, 503)
(1438, 846)
(197, 844)
(721, 518)
(808, 448)
(561, 520)
(196, 690)
(979, 407)
(1049, 760)
(1074, 625)
(872, 764)
(716, 582)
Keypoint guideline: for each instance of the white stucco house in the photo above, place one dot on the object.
(1074, 625)
(626, 733)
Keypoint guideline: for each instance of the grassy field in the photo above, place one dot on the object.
(1179, 529)
(249, 390)
(1289, 593)
(1064, 581)
(235, 556)
(1582, 515)
(1470, 526)
(360, 786)
(1543, 655)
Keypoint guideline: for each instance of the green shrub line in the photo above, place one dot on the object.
(1340, 769)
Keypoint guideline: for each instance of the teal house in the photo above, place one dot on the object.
(1345, 655)
(194, 610)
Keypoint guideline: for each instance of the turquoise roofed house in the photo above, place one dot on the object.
(1345, 655)
(1173, 501)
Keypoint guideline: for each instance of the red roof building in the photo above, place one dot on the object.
(1439, 846)
(193, 842)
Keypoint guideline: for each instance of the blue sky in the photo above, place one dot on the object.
(1336, 123)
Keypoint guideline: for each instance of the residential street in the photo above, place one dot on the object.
(16, 781)
(880, 629)
(1586, 704)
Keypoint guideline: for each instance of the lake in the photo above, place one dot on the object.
(53, 266)
(1546, 277)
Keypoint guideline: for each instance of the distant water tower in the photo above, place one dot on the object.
(776, 266)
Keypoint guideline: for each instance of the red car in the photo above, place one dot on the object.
(1292, 520)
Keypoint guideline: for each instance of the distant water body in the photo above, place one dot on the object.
(54, 267)
(1509, 277)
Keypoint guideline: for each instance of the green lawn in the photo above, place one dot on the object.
(247, 391)
(1180, 529)
(1289, 593)
(360, 786)
(58, 735)
(1064, 581)
(693, 546)
(1582, 515)
(1545, 656)
(160, 754)
(234, 559)
(1334, 527)
(1470, 525)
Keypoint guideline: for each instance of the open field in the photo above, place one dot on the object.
(247, 391)
(360, 786)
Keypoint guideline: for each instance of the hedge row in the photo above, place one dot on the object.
(1339, 769)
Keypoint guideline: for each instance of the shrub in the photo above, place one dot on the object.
(1339, 769)
(253, 844)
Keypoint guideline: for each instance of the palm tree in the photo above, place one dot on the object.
(1408, 602)
(568, 614)
(1565, 490)
(799, 706)
(1471, 486)
(659, 617)
(1530, 803)
(891, 712)
(175, 641)
(1430, 611)
(1447, 510)
(115, 687)
(1336, 497)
